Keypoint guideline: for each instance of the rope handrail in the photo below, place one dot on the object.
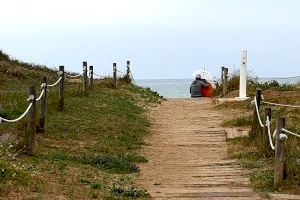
(54, 84)
(290, 132)
(41, 95)
(99, 75)
(257, 112)
(268, 123)
(75, 76)
(131, 76)
(17, 119)
(122, 72)
(279, 104)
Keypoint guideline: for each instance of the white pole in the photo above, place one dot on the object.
(243, 75)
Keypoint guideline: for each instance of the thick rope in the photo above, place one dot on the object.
(278, 104)
(90, 74)
(287, 131)
(268, 123)
(257, 112)
(99, 75)
(54, 84)
(122, 72)
(41, 95)
(75, 76)
(19, 118)
(131, 76)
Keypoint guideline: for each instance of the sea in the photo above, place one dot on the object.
(168, 88)
(180, 88)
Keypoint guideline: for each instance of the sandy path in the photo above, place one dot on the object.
(187, 155)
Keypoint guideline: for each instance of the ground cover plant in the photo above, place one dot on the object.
(89, 151)
(251, 152)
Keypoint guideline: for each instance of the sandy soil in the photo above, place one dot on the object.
(187, 154)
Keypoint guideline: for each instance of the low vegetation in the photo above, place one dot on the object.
(90, 150)
(251, 152)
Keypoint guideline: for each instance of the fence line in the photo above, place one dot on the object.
(54, 84)
(30, 111)
(280, 135)
(290, 132)
(17, 119)
(268, 123)
(100, 76)
(283, 105)
(75, 76)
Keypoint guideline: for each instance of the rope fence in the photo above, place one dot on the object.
(30, 112)
(75, 76)
(283, 105)
(100, 76)
(54, 84)
(17, 119)
(280, 134)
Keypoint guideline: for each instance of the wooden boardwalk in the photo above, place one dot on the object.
(187, 155)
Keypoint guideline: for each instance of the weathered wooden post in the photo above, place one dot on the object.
(61, 88)
(279, 161)
(30, 130)
(222, 79)
(84, 76)
(128, 72)
(42, 127)
(115, 74)
(266, 144)
(91, 78)
(225, 81)
(255, 123)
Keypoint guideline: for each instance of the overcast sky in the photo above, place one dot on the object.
(162, 38)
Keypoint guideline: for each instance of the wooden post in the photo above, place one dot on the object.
(266, 144)
(128, 71)
(61, 88)
(225, 81)
(84, 76)
(30, 130)
(42, 127)
(91, 79)
(222, 80)
(255, 123)
(279, 160)
(115, 74)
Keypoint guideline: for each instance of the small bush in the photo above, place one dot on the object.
(275, 85)
(3, 56)
(131, 191)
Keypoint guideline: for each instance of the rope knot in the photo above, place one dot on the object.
(283, 136)
(43, 85)
(30, 98)
(60, 73)
(268, 122)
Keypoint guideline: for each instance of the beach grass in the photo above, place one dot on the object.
(251, 153)
(89, 150)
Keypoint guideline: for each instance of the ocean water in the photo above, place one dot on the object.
(168, 88)
(180, 88)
